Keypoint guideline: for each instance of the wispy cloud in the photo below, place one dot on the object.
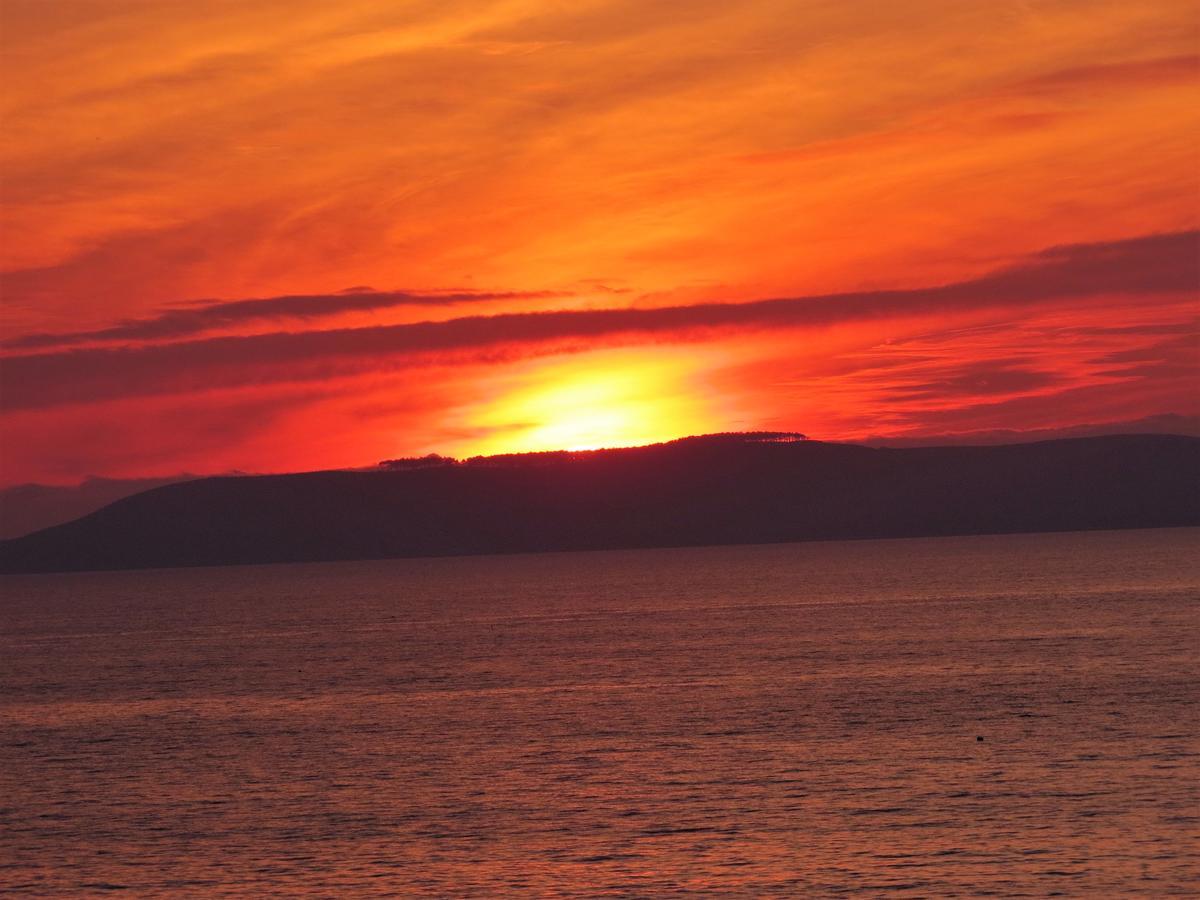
(1143, 267)
(1131, 73)
(213, 315)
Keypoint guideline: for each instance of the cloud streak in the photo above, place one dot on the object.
(1159, 70)
(1151, 265)
(213, 315)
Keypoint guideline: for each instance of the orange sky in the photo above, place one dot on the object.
(287, 234)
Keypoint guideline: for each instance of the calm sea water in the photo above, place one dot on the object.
(1010, 715)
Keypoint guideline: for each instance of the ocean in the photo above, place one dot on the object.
(1006, 715)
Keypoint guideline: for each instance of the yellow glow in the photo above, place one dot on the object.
(607, 400)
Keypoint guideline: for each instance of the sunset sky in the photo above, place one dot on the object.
(268, 235)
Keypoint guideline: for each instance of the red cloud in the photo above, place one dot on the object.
(1157, 264)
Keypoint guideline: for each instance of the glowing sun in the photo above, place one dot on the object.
(587, 404)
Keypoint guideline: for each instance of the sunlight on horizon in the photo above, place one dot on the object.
(616, 400)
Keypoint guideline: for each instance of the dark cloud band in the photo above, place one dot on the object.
(176, 323)
(1150, 265)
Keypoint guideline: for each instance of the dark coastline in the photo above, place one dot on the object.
(698, 491)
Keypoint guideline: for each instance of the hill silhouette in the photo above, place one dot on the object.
(25, 508)
(723, 489)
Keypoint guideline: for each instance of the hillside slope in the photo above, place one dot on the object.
(690, 492)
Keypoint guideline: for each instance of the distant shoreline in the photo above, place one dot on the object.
(705, 491)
